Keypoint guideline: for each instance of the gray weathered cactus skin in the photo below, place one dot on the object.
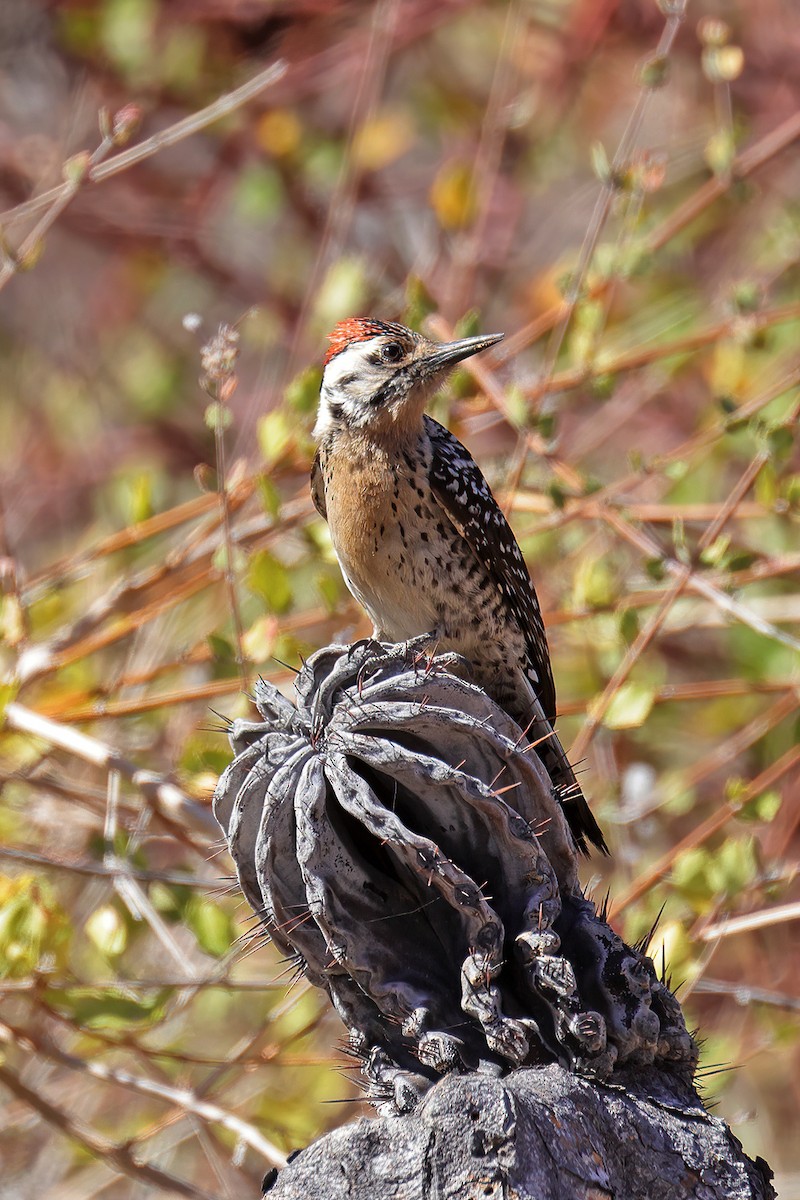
(398, 838)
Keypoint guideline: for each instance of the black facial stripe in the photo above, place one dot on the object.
(393, 387)
(335, 410)
(346, 380)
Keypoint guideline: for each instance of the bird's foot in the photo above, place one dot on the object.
(372, 651)
(356, 648)
(423, 646)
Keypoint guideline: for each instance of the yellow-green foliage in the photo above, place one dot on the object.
(458, 167)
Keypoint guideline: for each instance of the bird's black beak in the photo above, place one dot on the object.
(447, 354)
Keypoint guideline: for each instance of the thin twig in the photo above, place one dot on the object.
(221, 107)
(701, 834)
(166, 797)
(106, 871)
(640, 356)
(745, 993)
(133, 535)
(604, 201)
(707, 689)
(754, 920)
(117, 1156)
(181, 1097)
(218, 358)
(749, 161)
(644, 638)
(713, 189)
(698, 583)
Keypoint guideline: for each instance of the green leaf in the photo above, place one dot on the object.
(735, 789)
(33, 926)
(218, 417)
(629, 625)
(258, 642)
(676, 470)
(268, 578)
(8, 692)
(713, 555)
(140, 490)
(680, 544)
(518, 407)
(630, 706)
(169, 899)
(602, 386)
(600, 164)
(109, 1008)
(469, 325)
(453, 197)
(343, 291)
(147, 374)
(128, 33)
(679, 800)
(728, 369)
(655, 569)
(734, 866)
(419, 302)
(330, 590)
(275, 435)
(557, 494)
(766, 487)
(211, 925)
(302, 393)
(544, 423)
(690, 876)
(595, 584)
(219, 559)
(780, 441)
(221, 648)
(747, 296)
(672, 946)
(259, 193)
(720, 151)
(107, 930)
(761, 808)
(270, 497)
(739, 560)
(791, 489)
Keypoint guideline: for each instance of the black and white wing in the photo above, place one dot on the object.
(467, 500)
(318, 487)
(459, 486)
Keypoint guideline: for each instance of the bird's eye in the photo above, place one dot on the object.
(392, 352)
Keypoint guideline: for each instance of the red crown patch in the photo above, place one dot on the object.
(359, 329)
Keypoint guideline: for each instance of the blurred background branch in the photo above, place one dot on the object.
(442, 165)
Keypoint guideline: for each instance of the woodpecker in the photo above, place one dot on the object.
(421, 541)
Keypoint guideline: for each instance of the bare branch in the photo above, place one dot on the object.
(166, 797)
(117, 1156)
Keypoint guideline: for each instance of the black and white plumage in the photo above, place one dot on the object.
(420, 539)
(460, 487)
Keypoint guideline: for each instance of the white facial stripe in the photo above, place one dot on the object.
(349, 382)
(351, 361)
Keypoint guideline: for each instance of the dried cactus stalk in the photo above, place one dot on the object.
(397, 835)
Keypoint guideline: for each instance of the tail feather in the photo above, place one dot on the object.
(579, 816)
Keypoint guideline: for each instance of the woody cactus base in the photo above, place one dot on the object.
(401, 841)
(535, 1134)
